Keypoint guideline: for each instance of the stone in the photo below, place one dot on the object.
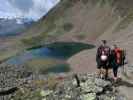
(45, 93)
(106, 97)
(90, 96)
(67, 96)
(89, 86)
(44, 99)
(102, 83)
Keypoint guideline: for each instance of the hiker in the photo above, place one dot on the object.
(102, 59)
(116, 60)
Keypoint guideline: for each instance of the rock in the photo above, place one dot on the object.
(98, 89)
(44, 99)
(67, 96)
(94, 85)
(90, 88)
(101, 83)
(106, 97)
(45, 93)
(90, 96)
(10, 75)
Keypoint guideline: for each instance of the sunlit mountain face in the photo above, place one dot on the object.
(17, 15)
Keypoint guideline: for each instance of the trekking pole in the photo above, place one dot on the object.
(123, 63)
(123, 69)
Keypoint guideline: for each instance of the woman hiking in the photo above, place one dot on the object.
(102, 59)
(116, 60)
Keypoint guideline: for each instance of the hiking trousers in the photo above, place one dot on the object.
(115, 67)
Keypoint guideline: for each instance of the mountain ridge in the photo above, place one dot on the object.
(15, 26)
(77, 19)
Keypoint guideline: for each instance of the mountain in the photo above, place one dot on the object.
(83, 20)
(15, 26)
(10, 30)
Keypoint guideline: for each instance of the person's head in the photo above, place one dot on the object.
(115, 46)
(112, 47)
(104, 42)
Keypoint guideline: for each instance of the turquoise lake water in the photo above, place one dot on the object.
(58, 50)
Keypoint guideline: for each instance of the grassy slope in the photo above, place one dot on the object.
(72, 18)
(80, 20)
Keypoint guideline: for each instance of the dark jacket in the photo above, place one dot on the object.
(98, 54)
(113, 60)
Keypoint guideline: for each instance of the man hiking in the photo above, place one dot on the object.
(116, 60)
(102, 59)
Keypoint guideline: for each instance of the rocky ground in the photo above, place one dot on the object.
(17, 83)
(10, 79)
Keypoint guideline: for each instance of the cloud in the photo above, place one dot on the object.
(7, 10)
(41, 7)
(23, 5)
(28, 8)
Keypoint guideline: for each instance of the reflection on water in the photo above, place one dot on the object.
(58, 50)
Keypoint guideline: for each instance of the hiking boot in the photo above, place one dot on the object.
(115, 79)
(102, 76)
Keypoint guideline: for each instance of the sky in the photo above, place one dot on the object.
(33, 9)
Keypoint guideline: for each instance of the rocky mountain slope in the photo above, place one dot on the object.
(82, 20)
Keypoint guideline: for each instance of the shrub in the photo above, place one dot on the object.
(68, 26)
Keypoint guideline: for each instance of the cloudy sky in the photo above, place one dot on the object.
(28, 8)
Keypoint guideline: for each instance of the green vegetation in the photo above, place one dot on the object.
(60, 20)
(32, 41)
(85, 1)
(49, 25)
(43, 66)
(80, 36)
(58, 68)
(27, 94)
(103, 2)
(38, 93)
(5, 55)
(40, 65)
(68, 26)
(69, 17)
(57, 22)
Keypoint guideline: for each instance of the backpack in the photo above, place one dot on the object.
(120, 56)
(104, 53)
